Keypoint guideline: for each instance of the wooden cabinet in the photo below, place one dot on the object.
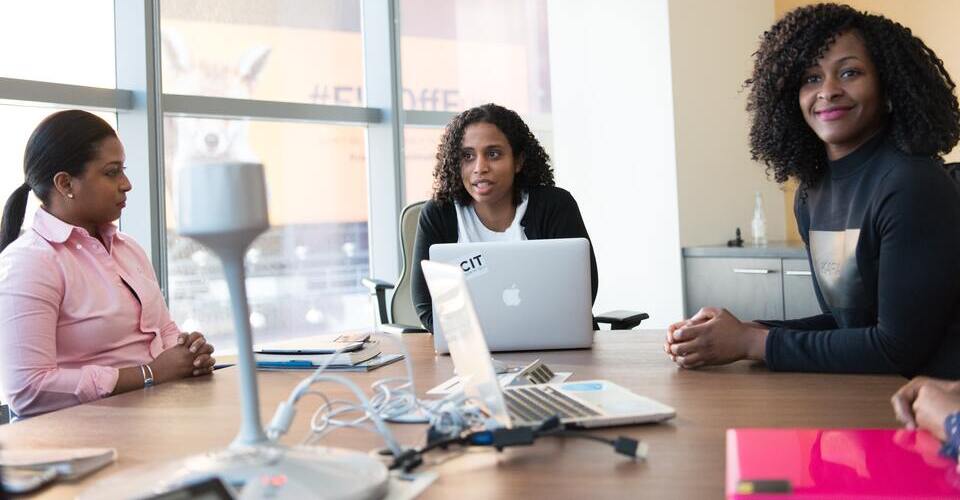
(768, 287)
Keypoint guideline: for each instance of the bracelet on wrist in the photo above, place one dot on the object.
(951, 430)
(147, 373)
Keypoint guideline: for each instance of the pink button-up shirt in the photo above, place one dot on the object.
(72, 312)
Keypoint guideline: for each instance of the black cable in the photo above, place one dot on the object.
(579, 435)
(413, 457)
(622, 445)
(517, 436)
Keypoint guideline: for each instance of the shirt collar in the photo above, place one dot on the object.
(55, 230)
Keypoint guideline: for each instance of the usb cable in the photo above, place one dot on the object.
(518, 436)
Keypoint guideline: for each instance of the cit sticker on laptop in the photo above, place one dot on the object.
(473, 265)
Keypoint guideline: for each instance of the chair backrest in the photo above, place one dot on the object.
(954, 170)
(401, 306)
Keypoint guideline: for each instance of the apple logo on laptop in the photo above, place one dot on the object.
(511, 296)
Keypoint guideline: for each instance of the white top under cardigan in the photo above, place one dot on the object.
(470, 228)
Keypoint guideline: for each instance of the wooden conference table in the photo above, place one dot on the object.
(686, 454)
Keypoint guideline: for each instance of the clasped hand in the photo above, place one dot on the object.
(713, 336)
(926, 403)
(190, 357)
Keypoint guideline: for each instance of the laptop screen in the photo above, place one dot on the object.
(453, 309)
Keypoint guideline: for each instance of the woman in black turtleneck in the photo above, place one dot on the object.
(859, 111)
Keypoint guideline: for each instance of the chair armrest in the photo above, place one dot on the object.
(379, 288)
(398, 328)
(621, 319)
(373, 284)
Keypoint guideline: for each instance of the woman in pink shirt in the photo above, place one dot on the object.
(81, 314)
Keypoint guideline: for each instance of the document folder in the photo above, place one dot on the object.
(837, 463)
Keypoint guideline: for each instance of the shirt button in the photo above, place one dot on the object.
(79, 246)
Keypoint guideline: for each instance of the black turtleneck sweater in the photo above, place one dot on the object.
(882, 231)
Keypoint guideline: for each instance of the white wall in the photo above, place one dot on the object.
(614, 146)
(711, 47)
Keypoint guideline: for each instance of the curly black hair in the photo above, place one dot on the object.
(535, 171)
(924, 120)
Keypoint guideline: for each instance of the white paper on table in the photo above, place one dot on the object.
(454, 385)
(407, 486)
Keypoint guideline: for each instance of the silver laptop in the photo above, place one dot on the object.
(530, 295)
(590, 403)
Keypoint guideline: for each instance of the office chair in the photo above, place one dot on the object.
(403, 318)
(621, 319)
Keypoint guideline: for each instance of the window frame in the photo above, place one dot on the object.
(140, 105)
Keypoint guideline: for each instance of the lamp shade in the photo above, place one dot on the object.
(223, 203)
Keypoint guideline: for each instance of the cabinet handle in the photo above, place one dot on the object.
(751, 271)
(799, 273)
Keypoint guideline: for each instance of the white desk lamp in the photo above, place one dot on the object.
(224, 207)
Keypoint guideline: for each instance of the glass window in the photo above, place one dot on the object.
(303, 275)
(16, 125)
(306, 51)
(61, 41)
(462, 53)
(457, 54)
(420, 156)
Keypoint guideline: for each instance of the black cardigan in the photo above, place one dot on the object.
(551, 213)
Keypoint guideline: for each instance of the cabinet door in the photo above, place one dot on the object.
(799, 299)
(749, 288)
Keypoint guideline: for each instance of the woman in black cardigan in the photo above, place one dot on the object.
(492, 182)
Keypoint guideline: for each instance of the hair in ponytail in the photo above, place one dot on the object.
(63, 142)
(13, 213)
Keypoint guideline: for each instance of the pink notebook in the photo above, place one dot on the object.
(777, 464)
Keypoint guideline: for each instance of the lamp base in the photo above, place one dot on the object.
(263, 471)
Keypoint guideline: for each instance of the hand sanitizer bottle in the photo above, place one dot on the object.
(759, 224)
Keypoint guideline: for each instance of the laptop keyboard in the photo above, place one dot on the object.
(538, 402)
(537, 373)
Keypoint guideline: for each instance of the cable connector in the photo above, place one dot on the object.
(281, 420)
(435, 435)
(502, 438)
(630, 447)
(551, 424)
(408, 460)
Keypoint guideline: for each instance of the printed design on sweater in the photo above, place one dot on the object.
(834, 255)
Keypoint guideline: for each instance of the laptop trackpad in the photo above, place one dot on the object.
(612, 399)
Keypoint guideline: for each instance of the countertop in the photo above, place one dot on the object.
(773, 250)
